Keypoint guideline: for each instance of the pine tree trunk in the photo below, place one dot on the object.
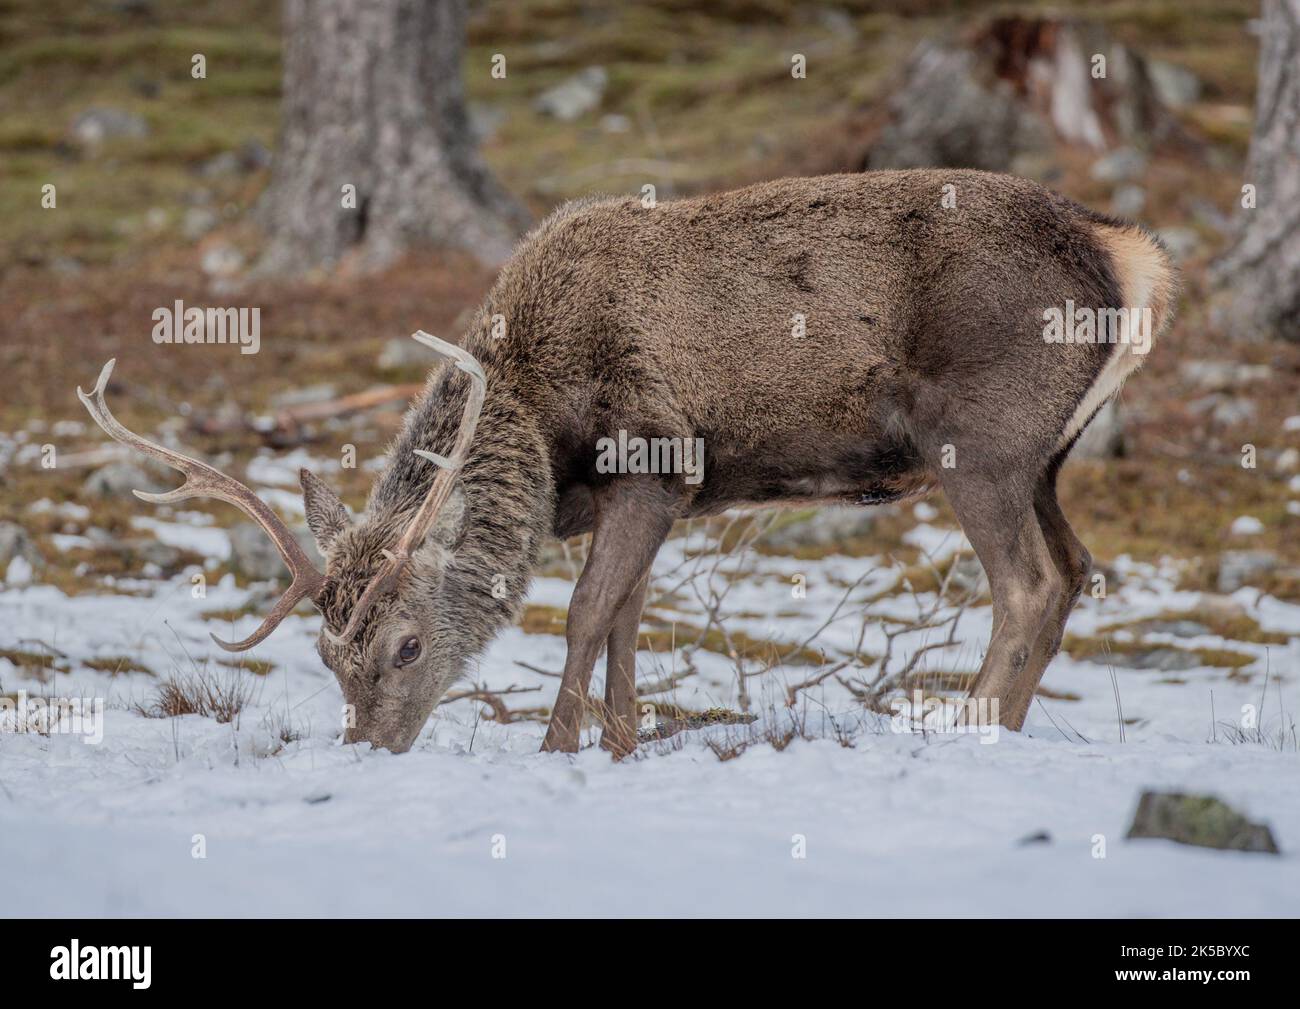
(373, 100)
(1261, 272)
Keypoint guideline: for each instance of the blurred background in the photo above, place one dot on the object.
(197, 151)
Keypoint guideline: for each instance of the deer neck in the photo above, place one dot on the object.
(505, 480)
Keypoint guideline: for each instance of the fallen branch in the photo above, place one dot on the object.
(493, 699)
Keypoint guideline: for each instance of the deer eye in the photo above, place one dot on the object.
(408, 652)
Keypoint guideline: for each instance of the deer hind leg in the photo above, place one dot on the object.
(619, 735)
(1026, 586)
(1073, 562)
(632, 520)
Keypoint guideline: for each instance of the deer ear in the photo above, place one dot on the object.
(326, 514)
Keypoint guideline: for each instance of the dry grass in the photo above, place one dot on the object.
(200, 691)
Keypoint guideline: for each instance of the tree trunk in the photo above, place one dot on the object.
(373, 100)
(1261, 272)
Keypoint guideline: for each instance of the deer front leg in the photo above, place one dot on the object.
(619, 735)
(631, 522)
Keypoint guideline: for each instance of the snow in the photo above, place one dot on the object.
(19, 571)
(474, 821)
(1246, 525)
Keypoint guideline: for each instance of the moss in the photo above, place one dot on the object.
(117, 665)
(1098, 647)
(231, 615)
(538, 619)
(34, 664)
(1238, 626)
(742, 646)
(932, 682)
(258, 667)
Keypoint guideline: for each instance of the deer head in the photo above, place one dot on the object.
(392, 634)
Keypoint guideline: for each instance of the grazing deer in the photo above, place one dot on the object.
(839, 340)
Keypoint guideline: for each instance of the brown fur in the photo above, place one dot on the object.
(923, 336)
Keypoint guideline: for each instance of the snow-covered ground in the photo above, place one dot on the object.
(190, 817)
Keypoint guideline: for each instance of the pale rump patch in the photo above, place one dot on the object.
(1146, 282)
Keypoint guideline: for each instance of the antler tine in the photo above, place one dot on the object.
(439, 490)
(202, 480)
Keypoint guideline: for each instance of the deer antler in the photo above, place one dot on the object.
(396, 559)
(201, 480)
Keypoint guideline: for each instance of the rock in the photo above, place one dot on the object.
(198, 221)
(225, 163)
(1038, 837)
(19, 558)
(825, 528)
(950, 114)
(1103, 438)
(1158, 658)
(94, 126)
(1288, 461)
(615, 123)
(249, 157)
(119, 479)
(1128, 201)
(151, 551)
(1224, 410)
(574, 97)
(1124, 164)
(1175, 86)
(1233, 410)
(1200, 820)
(222, 260)
(146, 87)
(252, 554)
(320, 392)
(1244, 567)
(1182, 243)
(1178, 628)
(1220, 376)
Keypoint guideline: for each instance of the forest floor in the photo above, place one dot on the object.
(1181, 676)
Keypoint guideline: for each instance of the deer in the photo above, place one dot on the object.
(917, 361)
